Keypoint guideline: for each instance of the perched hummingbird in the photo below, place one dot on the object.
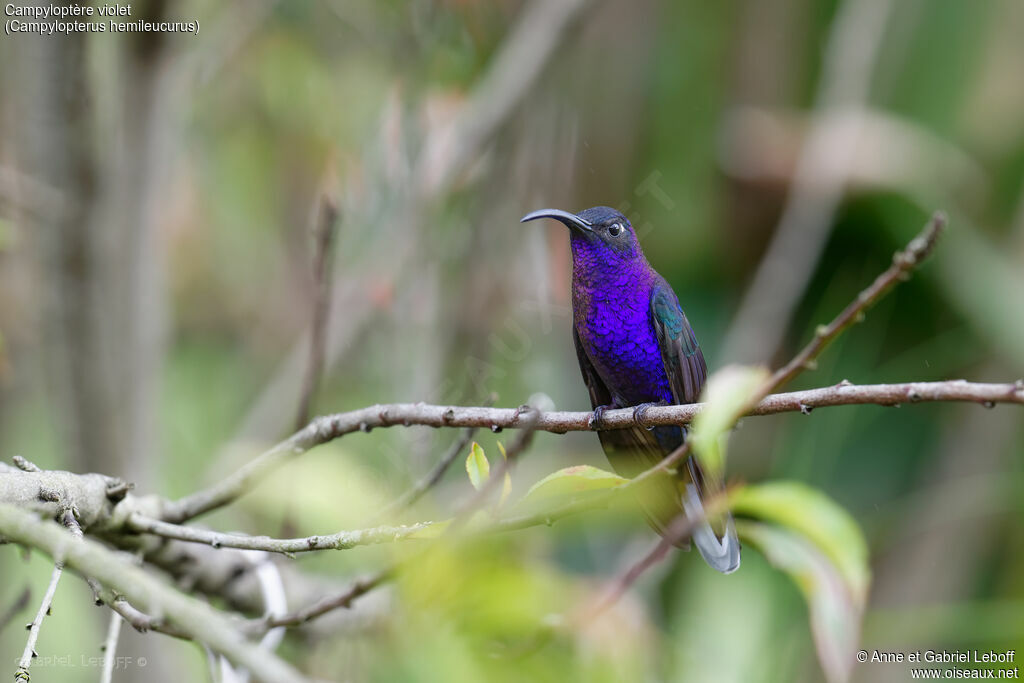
(636, 348)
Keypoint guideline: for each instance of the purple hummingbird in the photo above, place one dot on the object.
(636, 348)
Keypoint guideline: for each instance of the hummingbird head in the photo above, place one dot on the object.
(599, 232)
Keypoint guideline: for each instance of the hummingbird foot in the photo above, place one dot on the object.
(640, 412)
(596, 420)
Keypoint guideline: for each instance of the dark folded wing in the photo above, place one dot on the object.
(680, 352)
(684, 365)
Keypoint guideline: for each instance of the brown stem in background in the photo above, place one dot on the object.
(322, 277)
(20, 603)
(849, 59)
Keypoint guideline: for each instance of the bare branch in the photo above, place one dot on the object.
(343, 540)
(903, 263)
(409, 498)
(51, 492)
(90, 558)
(110, 648)
(680, 528)
(140, 621)
(329, 427)
(322, 271)
(68, 520)
(330, 603)
(33, 628)
(20, 603)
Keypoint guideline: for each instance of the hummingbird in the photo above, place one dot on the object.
(636, 349)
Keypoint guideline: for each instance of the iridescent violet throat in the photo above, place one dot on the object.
(636, 348)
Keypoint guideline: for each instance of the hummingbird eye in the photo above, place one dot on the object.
(614, 229)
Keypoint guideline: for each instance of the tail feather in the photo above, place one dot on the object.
(721, 550)
(721, 554)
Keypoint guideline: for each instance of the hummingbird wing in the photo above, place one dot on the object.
(631, 451)
(687, 372)
(680, 352)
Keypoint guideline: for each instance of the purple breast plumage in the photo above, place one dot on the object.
(611, 312)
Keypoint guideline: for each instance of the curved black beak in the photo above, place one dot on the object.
(571, 220)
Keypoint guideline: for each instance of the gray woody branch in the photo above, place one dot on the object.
(329, 427)
(90, 494)
(90, 558)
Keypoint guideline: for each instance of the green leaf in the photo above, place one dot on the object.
(506, 485)
(817, 517)
(835, 611)
(477, 467)
(572, 481)
(726, 393)
(822, 548)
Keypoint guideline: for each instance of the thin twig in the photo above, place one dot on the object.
(342, 600)
(137, 619)
(432, 478)
(20, 603)
(143, 623)
(322, 271)
(351, 539)
(343, 540)
(680, 528)
(33, 629)
(322, 275)
(110, 648)
(67, 518)
(903, 263)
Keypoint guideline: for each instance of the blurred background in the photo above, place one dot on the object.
(159, 201)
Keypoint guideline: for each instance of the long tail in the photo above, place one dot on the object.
(721, 550)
